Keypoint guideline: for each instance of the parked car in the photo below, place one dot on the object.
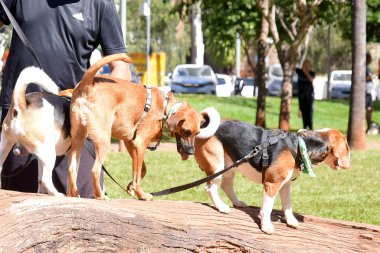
(275, 78)
(340, 84)
(193, 78)
(224, 87)
(245, 87)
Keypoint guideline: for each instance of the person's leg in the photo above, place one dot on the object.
(368, 110)
(25, 179)
(311, 111)
(84, 179)
(304, 112)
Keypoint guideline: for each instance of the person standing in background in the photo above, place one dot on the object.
(368, 91)
(63, 33)
(306, 93)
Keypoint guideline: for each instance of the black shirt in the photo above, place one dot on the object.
(63, 33)
(305, 86)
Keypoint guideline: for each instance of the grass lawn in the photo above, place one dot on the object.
(347, 195)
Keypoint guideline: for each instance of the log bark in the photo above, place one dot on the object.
(40, 223)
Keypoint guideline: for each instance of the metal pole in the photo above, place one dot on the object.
(238, 54)
(148, 42)
(123, 19)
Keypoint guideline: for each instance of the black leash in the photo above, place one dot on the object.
(262, 146)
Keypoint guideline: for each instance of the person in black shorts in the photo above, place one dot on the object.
(368, 92)
(63, 34)
(306, 93)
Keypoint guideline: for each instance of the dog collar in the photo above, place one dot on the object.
(306, 163)
(174, 109)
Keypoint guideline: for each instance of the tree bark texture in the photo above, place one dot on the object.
(40, 223)
(356, 127)
(262, 52)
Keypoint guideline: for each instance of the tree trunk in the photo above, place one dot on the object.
(356, 127)
(262, 52)
(288, 59)
(41, 223)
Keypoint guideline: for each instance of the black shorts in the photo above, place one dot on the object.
(368, 101)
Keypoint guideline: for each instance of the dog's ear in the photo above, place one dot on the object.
(176, 120)
(317, 148)
(340, 149)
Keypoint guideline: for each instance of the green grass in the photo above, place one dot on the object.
(351, 195)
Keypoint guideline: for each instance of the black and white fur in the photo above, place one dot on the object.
(42, 127)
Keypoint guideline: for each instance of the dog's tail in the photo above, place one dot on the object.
(31, 75)
(208, 129)
(88, 77)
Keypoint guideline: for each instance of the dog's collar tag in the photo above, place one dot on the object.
(306, 163)
(174, 109)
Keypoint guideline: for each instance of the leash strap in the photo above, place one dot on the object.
(272, 140)
(165, 117)
(203, 180)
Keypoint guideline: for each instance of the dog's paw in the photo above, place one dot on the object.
(223, 208)
(267, 227)
(130, 190)
(240, 204)
(103, 197)
(146, 196)
(292, 221)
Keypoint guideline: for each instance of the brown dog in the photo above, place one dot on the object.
(234, 140)
(105, 106)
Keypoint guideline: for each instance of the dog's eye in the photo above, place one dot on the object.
(186, 132)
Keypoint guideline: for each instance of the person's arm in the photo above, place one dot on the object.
(120, 70)
(307, 74)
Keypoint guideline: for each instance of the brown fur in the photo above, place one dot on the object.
(105, 106)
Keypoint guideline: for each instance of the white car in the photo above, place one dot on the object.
(340, 84)
(225, 86)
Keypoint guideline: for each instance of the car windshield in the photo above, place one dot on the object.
(342, 77)
(198, 71)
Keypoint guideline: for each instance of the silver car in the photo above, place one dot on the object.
(340, 84)
(192, 78)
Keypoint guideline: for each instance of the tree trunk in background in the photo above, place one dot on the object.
(197, 45)
(288, 59)
(41, 223)
(356, 127)
(262, 52)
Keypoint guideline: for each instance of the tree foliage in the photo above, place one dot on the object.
(168, 34)
(340, 49)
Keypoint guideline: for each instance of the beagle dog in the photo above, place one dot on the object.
(234, 139)
(37, 122)
(105, 106)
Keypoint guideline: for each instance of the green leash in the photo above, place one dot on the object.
(306, 163)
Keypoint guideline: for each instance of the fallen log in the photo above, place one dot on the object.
(40, 223)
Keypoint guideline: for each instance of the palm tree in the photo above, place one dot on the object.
(356, 127)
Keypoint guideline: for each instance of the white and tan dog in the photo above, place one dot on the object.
(38, 122)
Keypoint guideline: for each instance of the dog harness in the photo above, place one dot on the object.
(271, 140)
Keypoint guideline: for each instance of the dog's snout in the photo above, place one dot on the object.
(189, 149)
